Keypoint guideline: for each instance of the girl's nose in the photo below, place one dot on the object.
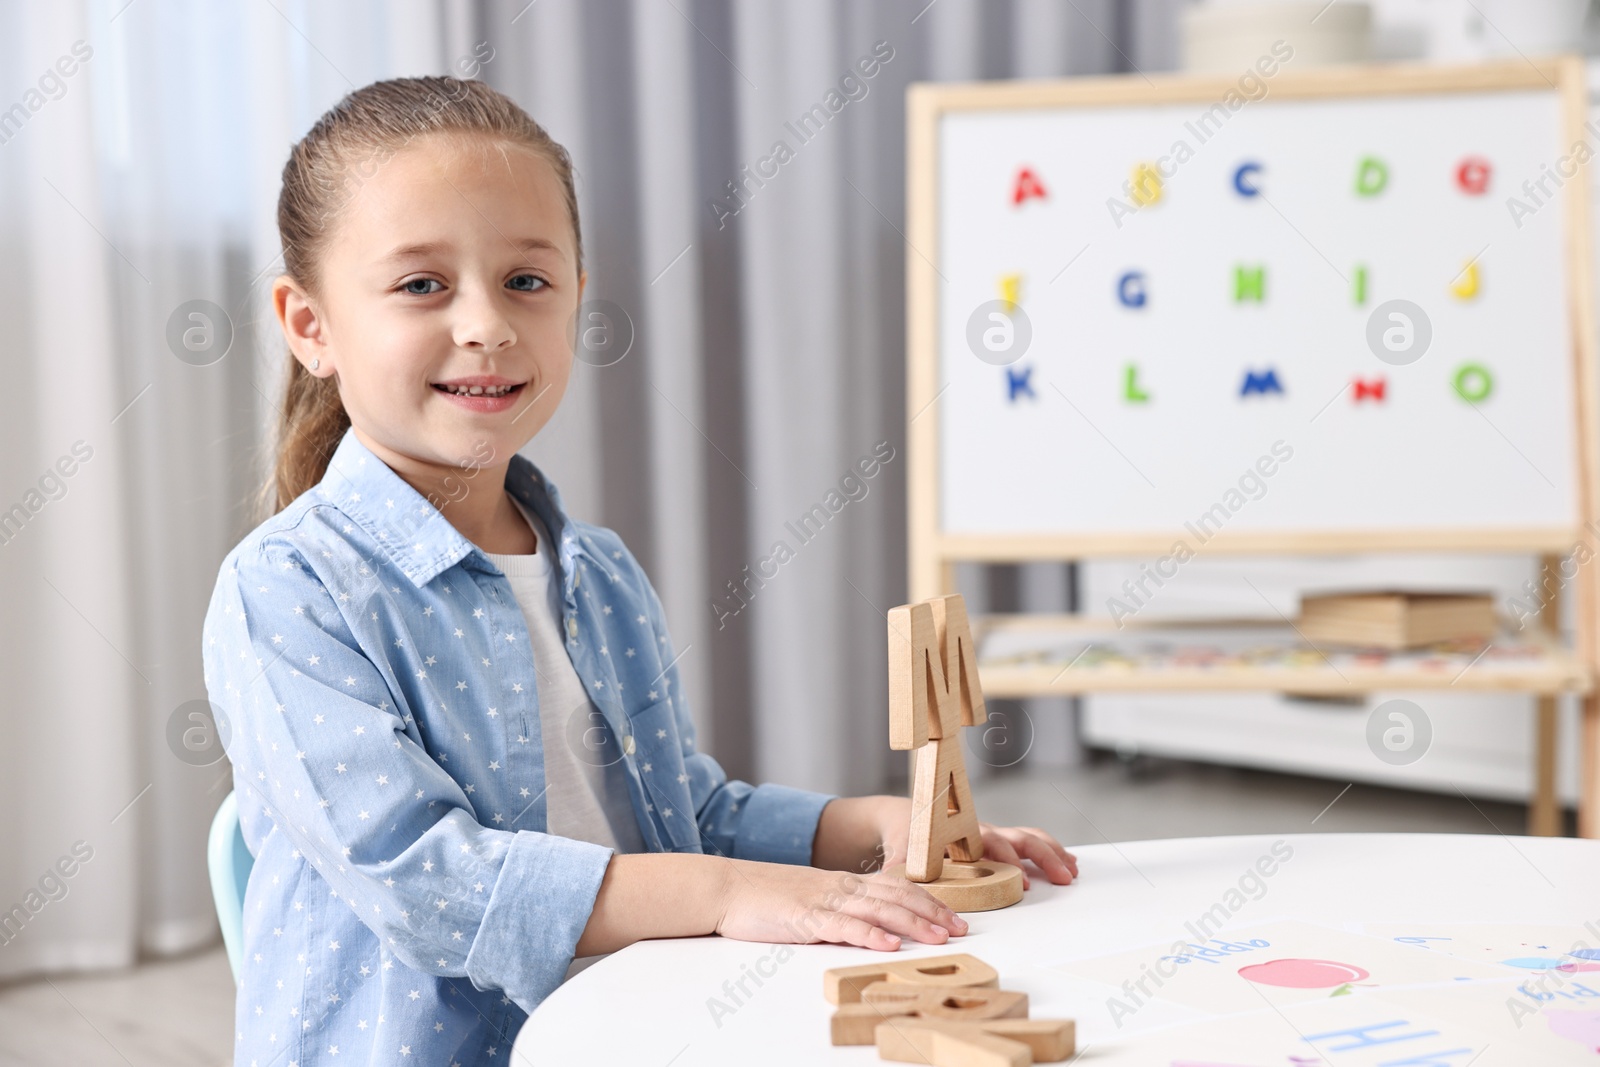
(480, 325)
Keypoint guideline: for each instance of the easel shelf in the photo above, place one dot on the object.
(1038, 654)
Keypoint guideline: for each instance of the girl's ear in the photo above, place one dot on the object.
(583, 279)
(302, 327)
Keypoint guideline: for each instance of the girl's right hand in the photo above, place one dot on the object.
(787, 904)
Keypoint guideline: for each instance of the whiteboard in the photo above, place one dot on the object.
(1069, 453)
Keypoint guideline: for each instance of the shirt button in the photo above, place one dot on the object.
(572, 627)
(627, 745)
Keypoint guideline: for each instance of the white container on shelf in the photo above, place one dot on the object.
(1531, 27)
(1224, 37)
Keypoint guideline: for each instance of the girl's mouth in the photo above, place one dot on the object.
(477, 390)
(480, 398)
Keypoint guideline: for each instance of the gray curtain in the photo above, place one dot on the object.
(770, 329)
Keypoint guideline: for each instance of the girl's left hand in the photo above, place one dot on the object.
(1006, 844)
(1011, 844)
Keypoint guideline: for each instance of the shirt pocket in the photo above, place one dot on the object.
(655, 750)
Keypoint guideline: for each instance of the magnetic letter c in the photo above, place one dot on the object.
(1242, 182)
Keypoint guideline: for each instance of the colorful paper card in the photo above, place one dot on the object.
(1274, 964)
(1517, 948)
(1421, 1027)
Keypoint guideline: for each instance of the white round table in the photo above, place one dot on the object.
(678, 1001)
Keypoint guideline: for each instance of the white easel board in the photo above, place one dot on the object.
(1141, 406)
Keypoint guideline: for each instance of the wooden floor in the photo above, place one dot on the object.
(179, 1013)
(171, 1013)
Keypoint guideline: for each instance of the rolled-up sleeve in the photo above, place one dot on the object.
(326, 751)
(768, 822)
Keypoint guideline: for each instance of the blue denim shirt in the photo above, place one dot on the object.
(374, 684)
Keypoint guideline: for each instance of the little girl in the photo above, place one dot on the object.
(462, 755)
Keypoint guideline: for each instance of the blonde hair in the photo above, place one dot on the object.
(325, 170)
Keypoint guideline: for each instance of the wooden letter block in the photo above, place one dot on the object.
(927, 642)
(990, 1043)
(933, 692)
(843, 985)
(854, 1024)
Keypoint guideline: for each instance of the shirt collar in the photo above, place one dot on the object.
(414, 533)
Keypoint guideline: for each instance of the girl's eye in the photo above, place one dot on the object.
(407, 287)
(528, 283)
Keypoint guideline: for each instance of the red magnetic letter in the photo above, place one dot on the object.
(1026, 185)
(1473, 175)
(1373, 389)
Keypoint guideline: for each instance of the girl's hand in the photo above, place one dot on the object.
(1010, 844)
(1006, 844)
(786, 904)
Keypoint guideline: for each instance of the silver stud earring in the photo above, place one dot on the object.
(315, 363)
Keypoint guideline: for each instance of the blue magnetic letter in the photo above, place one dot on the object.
(1261, 383)
(1130, 289)
(1241, 176)
(1019, 384)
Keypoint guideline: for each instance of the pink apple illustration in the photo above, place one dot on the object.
(1302, 974)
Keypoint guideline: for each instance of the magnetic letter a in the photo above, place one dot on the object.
(933, 692)
(1025, 186)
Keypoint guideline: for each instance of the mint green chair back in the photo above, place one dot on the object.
(229, 862)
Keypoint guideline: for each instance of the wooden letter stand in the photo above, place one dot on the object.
(933, 692)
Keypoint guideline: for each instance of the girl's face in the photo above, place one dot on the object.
(455, 262)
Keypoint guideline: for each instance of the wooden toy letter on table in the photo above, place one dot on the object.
(948, 1011)
(933, 692)
(857, 1024)
(845, 985)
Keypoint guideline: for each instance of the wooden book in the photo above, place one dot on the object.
(1395, 620)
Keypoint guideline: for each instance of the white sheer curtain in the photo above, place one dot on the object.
(144, 179)
(768, 360)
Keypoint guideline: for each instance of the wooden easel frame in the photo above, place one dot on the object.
(934, 553)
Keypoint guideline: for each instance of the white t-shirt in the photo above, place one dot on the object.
(586, 785)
